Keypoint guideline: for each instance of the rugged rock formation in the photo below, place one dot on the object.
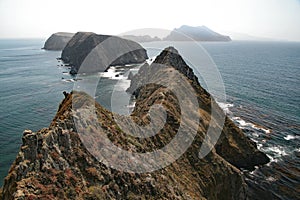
(53, 163)
(199, 33)
(141, 38)
(57, 41)
(95, 53)
(233, 145)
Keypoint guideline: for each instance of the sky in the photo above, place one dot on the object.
(277, 19)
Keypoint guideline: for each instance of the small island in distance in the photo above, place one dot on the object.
(199, 33)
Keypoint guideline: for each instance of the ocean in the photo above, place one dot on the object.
(261, 80)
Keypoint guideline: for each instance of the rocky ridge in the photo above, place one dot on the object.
(53, 163)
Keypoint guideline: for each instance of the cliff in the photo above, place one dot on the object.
(57, 41)
(199, 33)
(57, 162)
(95, 53)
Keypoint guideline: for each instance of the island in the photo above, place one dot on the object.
(57, 41)
(198, 33)
(88, 52)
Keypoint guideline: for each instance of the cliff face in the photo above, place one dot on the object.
(57, 41)
(55, 164)
(95, 53)
(199, 33)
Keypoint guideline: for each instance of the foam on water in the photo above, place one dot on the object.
(110, 73)
(256, 133)
(150, 60)
(243, 124)
(225, 106)
(277, 151)
(291, 137)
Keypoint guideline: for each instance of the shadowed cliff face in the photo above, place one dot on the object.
(88, 52)
(54, 163)
(57, 41)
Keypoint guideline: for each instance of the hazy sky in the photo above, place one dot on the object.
(39, 18)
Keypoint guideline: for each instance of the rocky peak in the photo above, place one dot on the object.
(170, 56)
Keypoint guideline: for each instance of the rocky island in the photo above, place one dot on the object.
(141, 38)
(53, 163)
(57, 41)
(93, 53)
(199, 33)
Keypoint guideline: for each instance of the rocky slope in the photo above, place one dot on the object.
(199, 33)
(54, 163)
(57, 41)
(95, 53)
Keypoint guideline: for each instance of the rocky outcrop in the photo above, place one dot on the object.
(54, 163)
(199, 33)
(57, 41)
(233, 145)
(88, 52)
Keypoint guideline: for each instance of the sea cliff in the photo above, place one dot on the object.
(57, 41)
(88, 52)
